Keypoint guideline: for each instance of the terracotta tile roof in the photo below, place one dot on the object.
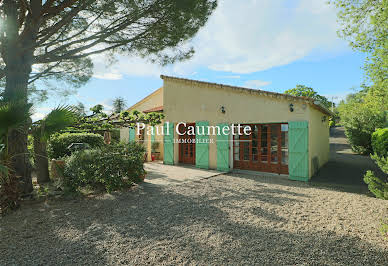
(308, 100)
(155, 109)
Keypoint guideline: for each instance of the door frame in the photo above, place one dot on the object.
(191, 146)
(260, 165)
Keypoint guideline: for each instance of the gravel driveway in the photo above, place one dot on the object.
(227, 219)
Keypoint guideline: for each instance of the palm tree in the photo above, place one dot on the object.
(13, 115)
(57, 120)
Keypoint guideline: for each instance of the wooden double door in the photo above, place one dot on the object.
(265, 148)
(186, 146)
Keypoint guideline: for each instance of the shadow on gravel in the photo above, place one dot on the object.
(160, 225)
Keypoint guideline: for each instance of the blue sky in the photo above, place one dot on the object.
(266, 44)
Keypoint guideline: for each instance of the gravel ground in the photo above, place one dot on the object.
(224, 220)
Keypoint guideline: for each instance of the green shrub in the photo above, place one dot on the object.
(110, 168)
(58, 143)
(380, 142)
(378, 187)
(359, 127)
(331, 123)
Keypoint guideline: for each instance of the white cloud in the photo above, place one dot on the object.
(108, 76)
(125, 65)
(249, 37)
(256, 83)
(39, 113)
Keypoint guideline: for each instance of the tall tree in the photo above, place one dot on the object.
(119, 105)
(301, 90)
(97, 109)
(364, 24)
(54, 39)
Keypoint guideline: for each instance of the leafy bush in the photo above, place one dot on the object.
(111, 167)
(58, 144)
(376, 185)
(380, 142)
(331, 123)
(359, 127)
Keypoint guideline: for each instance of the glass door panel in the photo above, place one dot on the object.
(264, 144)
(285, 144)
(274, 144)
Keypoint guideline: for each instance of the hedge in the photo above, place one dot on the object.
(110, 168)
(380, 142)
(59, 143)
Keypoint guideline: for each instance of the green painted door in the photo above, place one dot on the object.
(298, 165)
(202, 147)
(222, 150)
(168, 143)
(131, 134)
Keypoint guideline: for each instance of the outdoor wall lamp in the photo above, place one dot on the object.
(291, 107)
(323, 118)
(223, 110)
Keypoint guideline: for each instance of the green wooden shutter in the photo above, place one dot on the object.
(222, 150)
(298, 165)
(168, 143)
(131, 134)
(202, 147)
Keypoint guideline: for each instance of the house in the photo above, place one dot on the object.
(286, 134)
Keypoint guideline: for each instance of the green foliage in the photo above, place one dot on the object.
(361, 115)
(12, 115)
(97, 109)
(58, 119)
(58, 143)
(155, 146)
(380, 142)
(381, 161)
(111, 167)
(377, 186)
(332, 122)
(364, 25)
(305, 91)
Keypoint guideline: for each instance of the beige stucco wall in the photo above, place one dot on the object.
(186, 101)
(155, 99)
(318, 140)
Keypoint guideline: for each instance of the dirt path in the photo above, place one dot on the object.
(345, 169)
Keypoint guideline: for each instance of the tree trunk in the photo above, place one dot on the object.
(41, 161)
(18, 66)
